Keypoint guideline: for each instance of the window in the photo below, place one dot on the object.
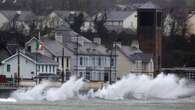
(38, 68)
(88, 75)
(53, 68)
(99, 61)
(46, 68)
(42, 68)
(50, 68)
(8, 67)
(29, 48)
(57, 59)
(106, 77)
(67, 62)
(111, 62)
(81, 61)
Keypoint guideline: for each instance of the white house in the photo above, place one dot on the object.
(53, 49)
(130, 59)
(118, 19)
(30, 65)
(91, 60)
(125, 19)
(142, 63)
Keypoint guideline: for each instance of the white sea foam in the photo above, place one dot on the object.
(145, 87)
(129, 87)
(7, 100)
(45, 91)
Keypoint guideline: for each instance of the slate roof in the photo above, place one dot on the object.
(19, 15)
(144, 57)
(55, 47)
(41, 58)
(9, 14)
(118, 15)
(88, 48)
(64, 14)
(127, 50)
(119, 29)
(150, 5)
(26, 16)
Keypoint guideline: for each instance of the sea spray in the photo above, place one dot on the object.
(129, 87)
(35, 93)
(67, 90)
(142, 87)
(45, 91)
(7, 100)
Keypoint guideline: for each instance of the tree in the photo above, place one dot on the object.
(78, 22)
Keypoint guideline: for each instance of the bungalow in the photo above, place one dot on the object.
(30, 65)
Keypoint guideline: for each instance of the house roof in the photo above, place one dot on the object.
(9, 14)
(149, 5)
(19, 15)
(64, 27)
(62, 13)
(118, 15)
(53, 46)
(144, 57)
(41, 59)
(127, 50)
(87, 48)
(56, 47)
(26, 16)
(65, 14)
(119, 29)
(34, 57)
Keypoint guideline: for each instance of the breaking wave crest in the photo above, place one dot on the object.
(145, 87)
(129, 87)
(49, 91)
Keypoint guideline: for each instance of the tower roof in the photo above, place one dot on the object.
(150, 5)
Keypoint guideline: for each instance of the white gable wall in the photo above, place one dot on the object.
(26, 67)
(131, 21)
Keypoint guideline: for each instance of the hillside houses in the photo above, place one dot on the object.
(66, 53)
(20, 20)
(60, 17)
(115, 19)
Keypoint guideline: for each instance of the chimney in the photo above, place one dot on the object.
(135, 44)
(118, 44)
(97, 40)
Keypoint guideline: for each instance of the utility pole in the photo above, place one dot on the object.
(62, 64)
(18, 66)
(77, 52)
(110, 78)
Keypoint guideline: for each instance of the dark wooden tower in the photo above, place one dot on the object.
(149, 32)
